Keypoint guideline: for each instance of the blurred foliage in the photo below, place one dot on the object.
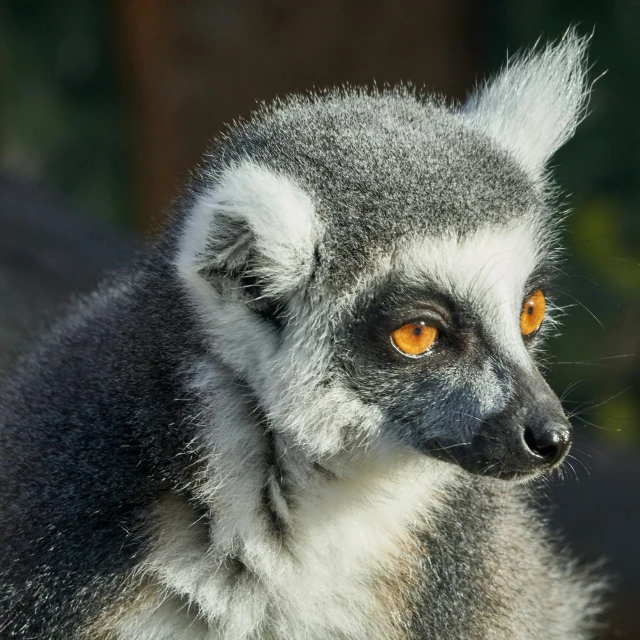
(599, 172)
(61, 121)
(60, 116)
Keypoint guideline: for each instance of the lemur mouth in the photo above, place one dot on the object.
(508, 454)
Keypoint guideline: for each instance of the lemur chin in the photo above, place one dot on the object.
(308, 410)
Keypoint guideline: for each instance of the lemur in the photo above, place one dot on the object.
(311, 409)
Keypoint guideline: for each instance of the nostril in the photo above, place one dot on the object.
(548, 444)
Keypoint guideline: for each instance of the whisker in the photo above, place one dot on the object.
(597, 426)
(589, 312)
(581, 462)
(623, 355)
(462, 413)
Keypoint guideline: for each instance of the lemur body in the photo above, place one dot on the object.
(226, 443)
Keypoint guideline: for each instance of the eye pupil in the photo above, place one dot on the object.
(414, 338)
(532, 314)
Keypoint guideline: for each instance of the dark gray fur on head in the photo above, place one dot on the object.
(383, 166)
(226, 441)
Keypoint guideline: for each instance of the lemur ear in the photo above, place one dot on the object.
(252, 223)
(533, 106)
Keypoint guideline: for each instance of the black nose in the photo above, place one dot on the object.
(529, 435)
(548, 444)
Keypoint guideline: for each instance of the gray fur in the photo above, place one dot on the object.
(224, 443)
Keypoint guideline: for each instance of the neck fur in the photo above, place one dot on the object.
(326, 545)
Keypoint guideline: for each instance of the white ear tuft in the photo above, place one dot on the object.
(255, 222)
(534, 105)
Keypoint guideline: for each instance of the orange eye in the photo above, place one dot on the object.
(414, 338)
(532, 313)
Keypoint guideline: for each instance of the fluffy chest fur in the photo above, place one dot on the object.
(344, 563)
(411, 549)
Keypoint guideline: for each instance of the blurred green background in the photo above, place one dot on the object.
(61, 116)
(88, 108)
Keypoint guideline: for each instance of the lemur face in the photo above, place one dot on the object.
(377, 267)
(443, 343)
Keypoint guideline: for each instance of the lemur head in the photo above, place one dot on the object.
(376, 266)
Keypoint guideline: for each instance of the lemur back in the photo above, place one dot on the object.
(311, 409)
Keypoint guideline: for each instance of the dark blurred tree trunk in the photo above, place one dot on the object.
(193, 66)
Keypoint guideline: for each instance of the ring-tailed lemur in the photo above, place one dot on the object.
(308, 411)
